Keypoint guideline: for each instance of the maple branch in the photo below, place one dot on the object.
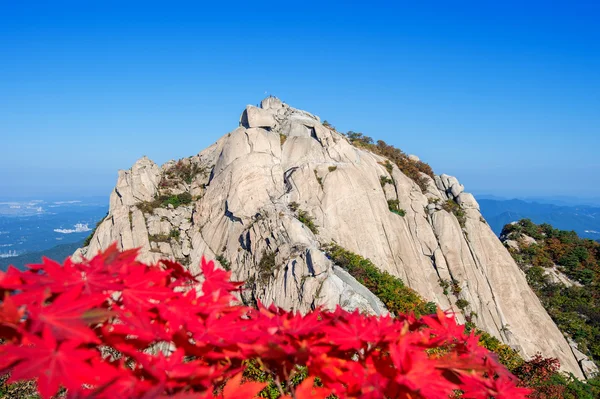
(279, 387)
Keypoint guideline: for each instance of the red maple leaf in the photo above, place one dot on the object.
(10, 280)
(134, 328)
(53, 364)
(443, 326)
(145, 287)
(9, 313)
(52, 276)
(216, 280)
(177, 271)
(412, 367)
(307, 390)
(234, 389)
(351, 333)
(69, 316)
(10, 317)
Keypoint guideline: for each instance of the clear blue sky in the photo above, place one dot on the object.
(506, 96)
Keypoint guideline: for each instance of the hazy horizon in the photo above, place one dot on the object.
(103, 198)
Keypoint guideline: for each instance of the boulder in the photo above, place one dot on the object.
(467, 201)
(257, 117)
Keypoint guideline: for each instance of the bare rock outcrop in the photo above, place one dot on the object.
(233, 201)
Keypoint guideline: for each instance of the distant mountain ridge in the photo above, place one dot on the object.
(58, 253)
(584, 220)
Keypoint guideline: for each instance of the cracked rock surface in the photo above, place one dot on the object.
(241, 193)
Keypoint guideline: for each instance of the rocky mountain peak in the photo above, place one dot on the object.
(267, 197)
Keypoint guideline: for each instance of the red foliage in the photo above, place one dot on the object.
(88, 327)
(537, 373)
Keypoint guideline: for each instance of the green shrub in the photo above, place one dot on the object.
(304, 217)
(282, 139)
(308, 221)
(452, 206)
(462, 303)
(383, 180)
(507, 355)
(182, 171)
(177, 200)
(456, 290)
(164, 201)
(388, 166)
(332, 168)
(266, 266)
(514, 231)
(224, 262)
(175, 233)
(319, 179)
(394, 206)
(445, 284)
(148, 207)
(359, 138)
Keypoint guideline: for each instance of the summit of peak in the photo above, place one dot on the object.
(272, 103)
(272, 112)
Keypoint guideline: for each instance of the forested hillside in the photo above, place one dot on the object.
(564, 271)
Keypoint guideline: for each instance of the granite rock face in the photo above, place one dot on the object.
(242, 193)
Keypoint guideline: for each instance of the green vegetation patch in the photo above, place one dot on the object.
(255, 371)
(182, 171)
(383, 180)
(452, 206)
(19, 390)
(175, 233)
(575, 309)
(462, 303)
(328, 125)
(319, 179)
(266, 266)
(308, 221)
(223, 261)
(394, 207)
(397, 297)
(410, 168)
(164, 201)
(401, 299)
(159, 238)
(304, 217)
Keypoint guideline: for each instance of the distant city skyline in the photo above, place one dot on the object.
(503, 96)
